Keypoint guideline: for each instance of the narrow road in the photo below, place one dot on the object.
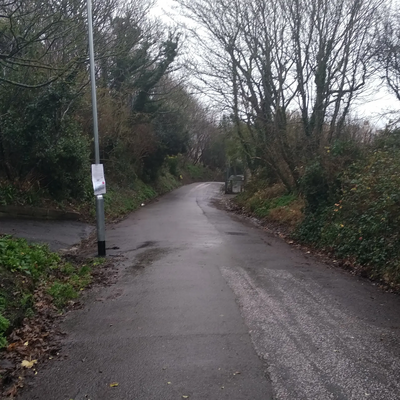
(211, 307)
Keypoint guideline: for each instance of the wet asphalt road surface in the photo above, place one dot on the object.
(211, 307)
(57, 234)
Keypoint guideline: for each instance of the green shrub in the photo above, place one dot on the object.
(260, 199)
(196, 172)
(365, 222)
(315, 187)
(26, 192)
(27, 270)
(173, 162)
(17, 255)
(8, 193)
(262, 207)
(62, 293)
(4, 324)
(82, 278)
(310, 229)
(43, 144)
(68, 269)
(66, 164)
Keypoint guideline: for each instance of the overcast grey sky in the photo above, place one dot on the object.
(371, 106)
(162, 4)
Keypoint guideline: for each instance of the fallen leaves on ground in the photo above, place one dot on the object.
(28, 364)
(38, 340)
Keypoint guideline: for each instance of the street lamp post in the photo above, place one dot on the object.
(101, 236)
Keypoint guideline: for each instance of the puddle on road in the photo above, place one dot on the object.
(148, 257)
(149, 243)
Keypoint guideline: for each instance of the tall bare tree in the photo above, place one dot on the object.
(332, 46)
(387, 51)
(267, 59)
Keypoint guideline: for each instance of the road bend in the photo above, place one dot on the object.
(208, 306)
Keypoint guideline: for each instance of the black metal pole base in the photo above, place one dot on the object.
(101, 246)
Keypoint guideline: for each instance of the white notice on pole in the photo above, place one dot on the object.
(99, 183)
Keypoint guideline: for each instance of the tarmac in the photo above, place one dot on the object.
(57, 234)
(207, 305)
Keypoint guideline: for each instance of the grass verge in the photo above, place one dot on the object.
(36, 286)
(272, 204)
(360, 231)
(27, 270)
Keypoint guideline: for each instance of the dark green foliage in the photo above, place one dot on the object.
(150, 77)
(310, 229)
(39, 142)
(121, 200)
(152, 165)
(154, 128)
(27, 269)
(22, 267)
(173, 163)
(171, 131)
(128, 59)
(71, 280)
(4, 324)
(66, 166)
(263, 207)
(259, 198)
(171, 139)
(214, 155)
(321, 185)
(62, 293)
(364, 222)
(196, 172)
(315, 187)
(18, 256)
(46, 121)
(388, 140)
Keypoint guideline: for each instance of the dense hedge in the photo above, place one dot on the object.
(362, 218)
(348, 204)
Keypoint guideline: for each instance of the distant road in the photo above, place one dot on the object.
(208, 306)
